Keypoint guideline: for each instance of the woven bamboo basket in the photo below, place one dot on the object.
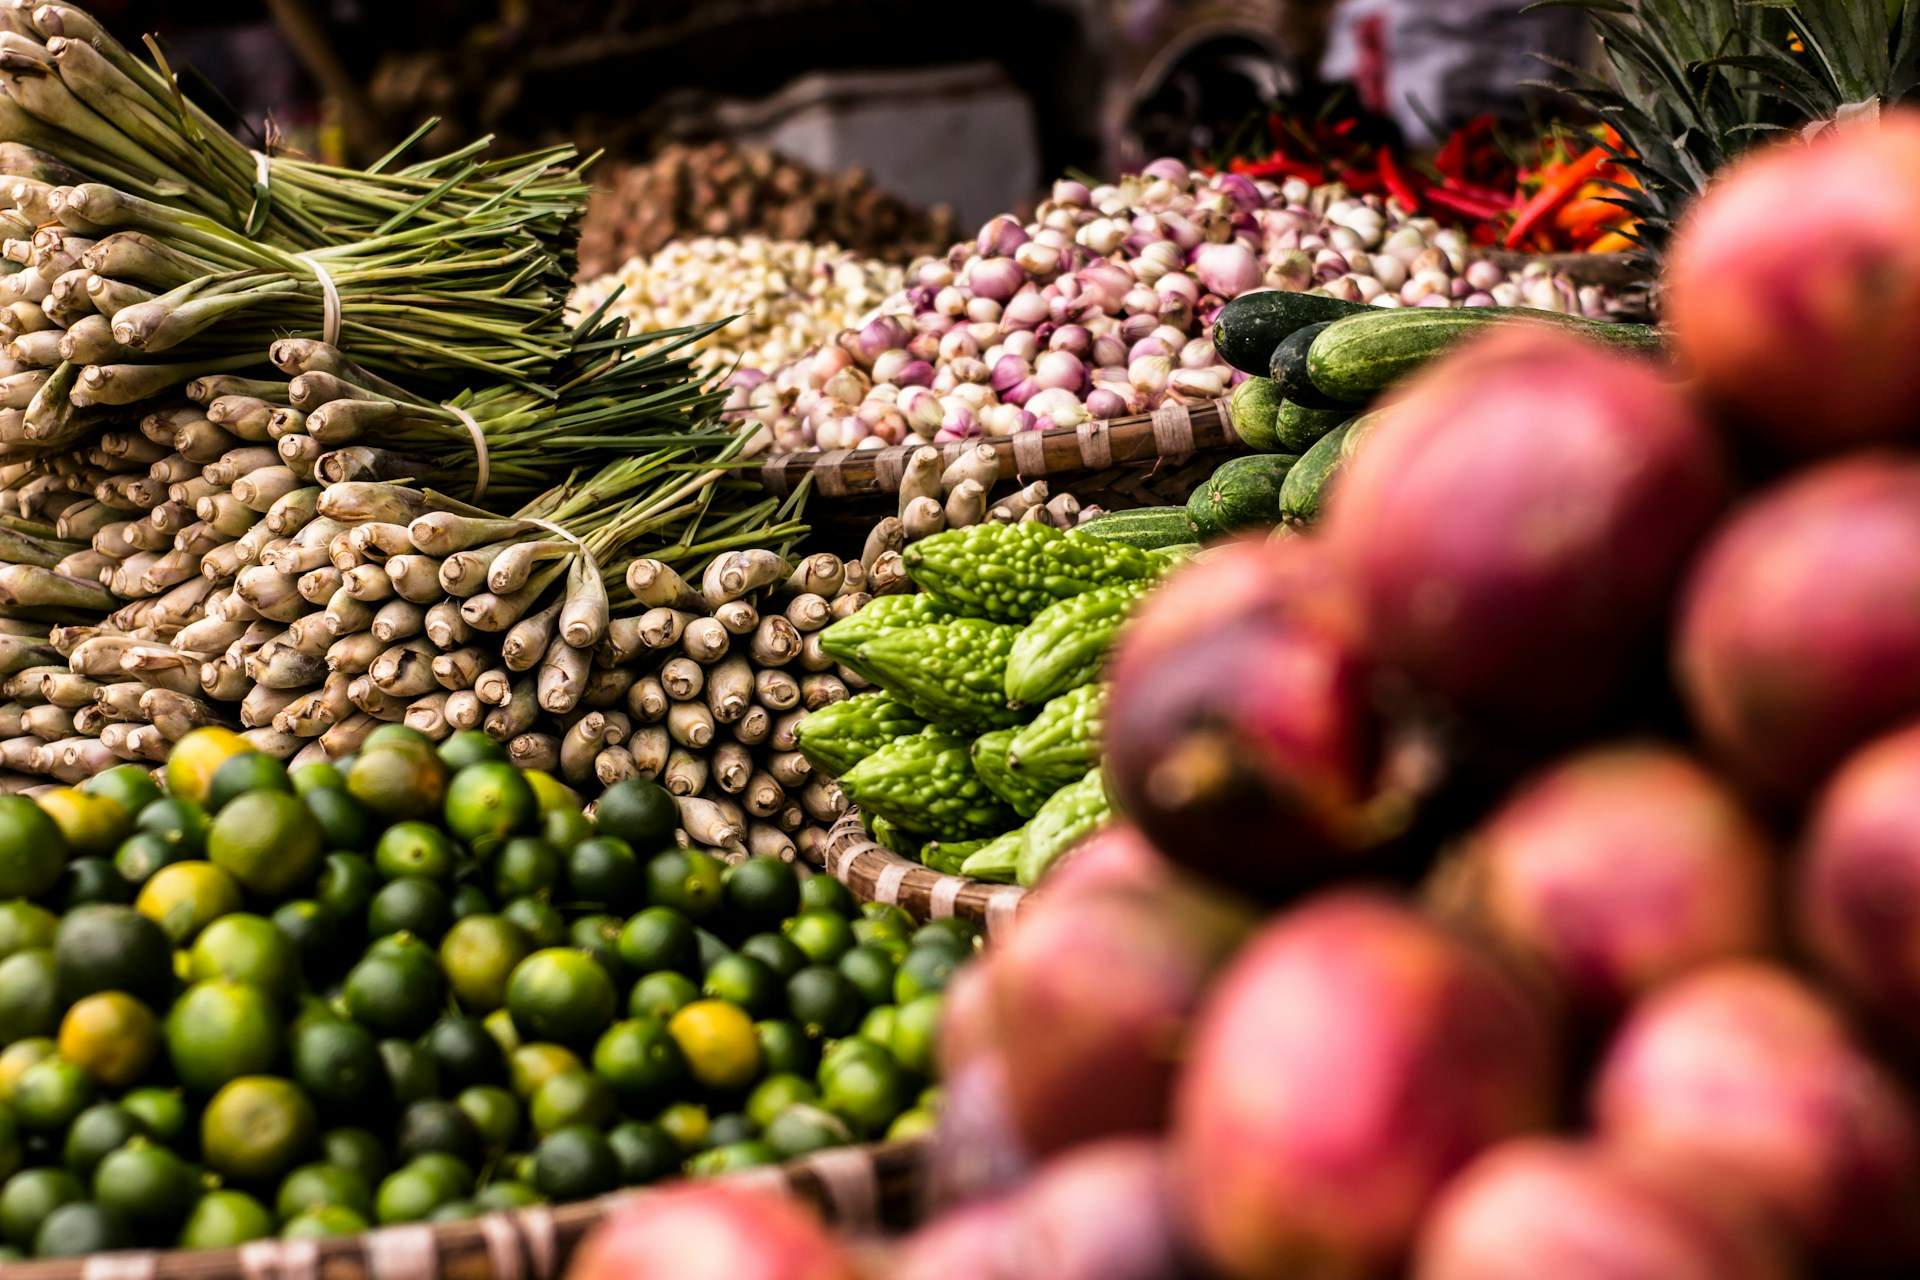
(877, 874)
(1152, 459)
(859, 1189)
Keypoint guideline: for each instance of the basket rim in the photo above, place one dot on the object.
(876, 873)
(847, 1185)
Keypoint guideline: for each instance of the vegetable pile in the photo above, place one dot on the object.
(417, 985)
(1101, 306)
(979, 749)
(1578, 768)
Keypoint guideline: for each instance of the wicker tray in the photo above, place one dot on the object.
(860, 1189)
(877, 874)
(1139, 461)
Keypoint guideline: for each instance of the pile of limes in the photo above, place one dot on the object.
(417, 984)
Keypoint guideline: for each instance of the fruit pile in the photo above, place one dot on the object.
(416, 984)
(979, 750)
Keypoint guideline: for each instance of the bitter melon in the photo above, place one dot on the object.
(1022, 795)
(1010, 572)
(952, 674)
(1063, 821)
(1063, 741)
(843, 639)
(835, 738)
(997, 861)
(1063, 648)
(926, 785)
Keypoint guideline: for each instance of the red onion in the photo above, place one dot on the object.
(1227, 269)
(877, 335)
(1060, 369)
(983, 310)
(1008, 372)
(1105, 284)
(996, 278)
(957, 423)
(826, 362)
(1150, 373)
(849, 386)
(1239, 188)
(1103, 404)
(889, 363)
(915, 373)
(1197, 354)
(956, 343)
(1056, 407)
(1182, 231)
(1040, 261)
(1139, 324)
(1108, 350)
(921, 408)
(984, 332)
(1072, 338)
(1166, 168)
(1024, 344)
(951, 301)
(1025, 310)
(933, 275)
(1067, 191)
(748, 378)
(1000, 237)
(1178, 284)
(1141, 300)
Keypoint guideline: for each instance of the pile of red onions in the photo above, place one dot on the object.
(1101, 307)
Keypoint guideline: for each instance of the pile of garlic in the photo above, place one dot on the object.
(790, 295)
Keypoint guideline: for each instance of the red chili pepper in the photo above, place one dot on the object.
(1558, 188)
(1486, 195)
(1454, 201)
(1399, 186)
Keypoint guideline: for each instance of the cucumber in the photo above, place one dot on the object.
(1243, 494)
(1248, 329)
(1254, 407)
(1306, 485)
(1290, 372)
(1149, 528)
(1297, 427)
(1357, 358)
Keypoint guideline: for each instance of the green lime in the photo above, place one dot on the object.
(479, 954)
(111, 1036)
(659, 938)
(802, 1129)
(551, 793)
(951, 932)
(870, 970)
(464, 1052)
(913, 1123)
(179, 822)
(314, 931)
(436, 1125)
(219, 1030)
(571, 1097)
(29, 995)
(824, 893)
(824, 1002)
(81, 1230)
(713, 948)
(734, 1126)
(883, 936)
(256, 1128)
(313, 1185)
(18, 1056)
(687, 880)
(453, 1211)
(926, 969)
(639, 1058)
(91, 824)
(194, 759)
(183, 896)
(410, 904)
(50, 1094)
(599, 937)
(398, 779)
(645, 1152)
(916, 1032)
(337, 1062)
(415, 849)
(112, 948)
(90, 880)
(471, 900)
(867, 1092)
(763, 891)
(408, 1195)
(775, 1094)
(149, 1184)
(562, 995)
(639, 811)
(575, 1163)
(326, 1222)
(784, 1047)
(497, 1197)
(141, 854)
(33, 852)
(29, 1196)
(392, 994)
(347, 884)
(248, 771)
(267, 841)
(743, 981)
(604, 872)
(343, 823)
(224, 1220)
(532, 1065)
(24, 925)
(246, 948)
(886, 914)
(526, 865)
(495, 1114)
(355, 1149)
(454, 1177)
(469, 747)
(538, 919)
(95, 1133)
(686, 1123)
(823, 935)
(777, 952)
(322, 775)
(732, 1158)
(841, 1052)
(661, 995)
(878, 1026)
(398, 735)
(128, 785)
(718, 1041)
(487, 802)
(565, 828)
(162, 1113)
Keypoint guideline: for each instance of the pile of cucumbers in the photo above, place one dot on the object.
(1316, 364)
(417, 984)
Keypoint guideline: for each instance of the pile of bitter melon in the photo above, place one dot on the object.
(978, 749)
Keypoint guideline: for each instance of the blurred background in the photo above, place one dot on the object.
(693, 100)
